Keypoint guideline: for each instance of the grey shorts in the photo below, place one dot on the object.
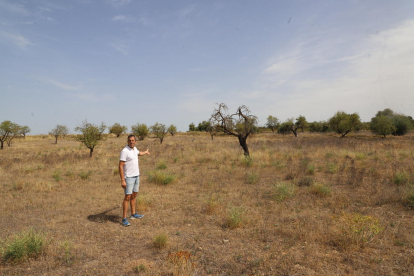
(132, 185)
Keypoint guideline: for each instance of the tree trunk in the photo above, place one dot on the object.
(295, 133)
(1, 144)
(243, 144)
(90, 152)
(56, 141)
(161, 140)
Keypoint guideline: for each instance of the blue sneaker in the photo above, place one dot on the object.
(136, 216)
(125, 222)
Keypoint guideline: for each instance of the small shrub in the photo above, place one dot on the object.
(400, 178)
(358, 229)
(409, 197)
(235, 217)
(85, 175)
(67, 247)
(160, 177)
(160, 240)
(252, 178)
(247, 161)
(212, 202)
(56, 175)
(278, 164)
(359, 156)
(161, 165)
(26, 244)
(310, 170)
(283, 191)
(305, 181)
(331, 168)
(140, 268)
(321, 190)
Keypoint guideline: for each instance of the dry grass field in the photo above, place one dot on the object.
(315, 206)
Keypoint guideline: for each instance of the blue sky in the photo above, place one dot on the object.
(131, 61)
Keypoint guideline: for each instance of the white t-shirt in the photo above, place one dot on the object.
(130, 156)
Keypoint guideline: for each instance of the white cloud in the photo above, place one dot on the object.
(375, 73)
(121, 47)
(17, 39)
(119, 3)
(123, 18)
(186, 11)
(14, 8)
(63, 85)
(91, 97)
(145, 21)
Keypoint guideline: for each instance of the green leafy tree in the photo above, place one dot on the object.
(91, 135)
(191, 127)
(8, 130)
(59, 131)
(117, 129)
(240, 124)
(301, 123)
(159, 131)
(273, 123)
(284, 128)
(140, 130)
(15, 131)
(172, 129)
(289, 125)
(382, 125)
(402, 124)
(24, 130)
(203, 126)
(343, 123)
(321, 126)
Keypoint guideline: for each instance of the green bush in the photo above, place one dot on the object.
(400, 178)
(283, 191)
(409, 197)
(235, 217)
(56, 175)
(252, 178)
(160, 240)
(161, 165)
(160, 177)
(358, 229)
(310, 170)
(247, 161)
(24, 245)
(321, 190)
(85, 175)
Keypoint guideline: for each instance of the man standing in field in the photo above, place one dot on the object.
(129, 172)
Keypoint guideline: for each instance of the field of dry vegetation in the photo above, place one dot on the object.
(315, 206)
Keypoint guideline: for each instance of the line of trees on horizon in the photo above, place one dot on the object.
(385, 122)
(240, 124)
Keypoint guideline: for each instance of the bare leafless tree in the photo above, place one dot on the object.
(240, 124)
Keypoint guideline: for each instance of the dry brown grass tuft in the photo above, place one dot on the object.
(315, 206)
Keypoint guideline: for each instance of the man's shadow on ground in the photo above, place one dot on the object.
(104, 217)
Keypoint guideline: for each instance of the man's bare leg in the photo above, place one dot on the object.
(132, 203)
(125, 204)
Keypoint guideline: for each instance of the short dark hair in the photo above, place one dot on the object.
(132, 135)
